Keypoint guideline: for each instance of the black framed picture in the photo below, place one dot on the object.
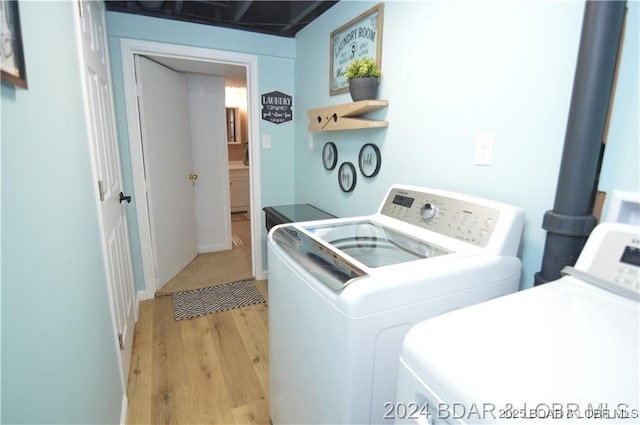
(347, 177)
(369, 160)
(329, 155)
(12, 66)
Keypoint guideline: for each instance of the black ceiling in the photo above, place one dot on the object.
(282, 18)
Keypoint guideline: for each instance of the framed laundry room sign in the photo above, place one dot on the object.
(358, 38)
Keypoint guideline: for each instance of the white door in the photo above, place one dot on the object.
(99, 111)
(166, 139)
(209, 154)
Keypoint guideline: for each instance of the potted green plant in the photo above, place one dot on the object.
(362, 75)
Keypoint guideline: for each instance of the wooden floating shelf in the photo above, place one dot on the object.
(346, 116)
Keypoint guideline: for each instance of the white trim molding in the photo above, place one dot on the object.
(124, 410)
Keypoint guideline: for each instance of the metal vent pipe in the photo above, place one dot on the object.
(570, 222)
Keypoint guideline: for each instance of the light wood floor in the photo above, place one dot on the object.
(209, 370)
(216, 267)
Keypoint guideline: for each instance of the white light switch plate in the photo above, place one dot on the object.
(484, 149)
(266, 141)
(310, 142)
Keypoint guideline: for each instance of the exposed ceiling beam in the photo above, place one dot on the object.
(241, 10)
(281, 18)
(298, 15)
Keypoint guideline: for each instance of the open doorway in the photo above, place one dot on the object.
(239, 168)
(238, 154)
(202, 62)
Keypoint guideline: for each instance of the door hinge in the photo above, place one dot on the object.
(101, 190)
(121, 342)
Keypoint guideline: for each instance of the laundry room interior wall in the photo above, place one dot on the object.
(276, 72)
(621, 162)
(59, 356)
(452, 71)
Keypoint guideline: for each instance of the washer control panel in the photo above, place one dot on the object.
(458, 218)
(612, 255)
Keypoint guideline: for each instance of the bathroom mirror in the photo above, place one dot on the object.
(234, 133)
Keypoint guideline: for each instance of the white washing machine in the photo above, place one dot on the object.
(565, 351)
(344, 292)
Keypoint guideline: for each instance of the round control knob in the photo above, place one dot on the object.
(428, 211)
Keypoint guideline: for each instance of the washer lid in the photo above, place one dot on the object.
(338, 253)
(565, 342)
(372, 244)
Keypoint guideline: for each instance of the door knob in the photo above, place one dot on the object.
(193, 176)
(124, 198)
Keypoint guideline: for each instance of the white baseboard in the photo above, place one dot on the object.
(123, 410)
(203, 249)
(144, 295)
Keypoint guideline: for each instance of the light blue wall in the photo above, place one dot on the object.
(276, 72)
(451, 70)
(622, 154)
(59, 362)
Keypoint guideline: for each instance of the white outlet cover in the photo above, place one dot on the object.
(484, 149)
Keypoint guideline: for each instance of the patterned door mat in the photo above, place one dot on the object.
(198, 302)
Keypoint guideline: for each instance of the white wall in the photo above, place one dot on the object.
(209, 147)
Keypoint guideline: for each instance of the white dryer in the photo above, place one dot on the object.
(565, 351)
(344, 292)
